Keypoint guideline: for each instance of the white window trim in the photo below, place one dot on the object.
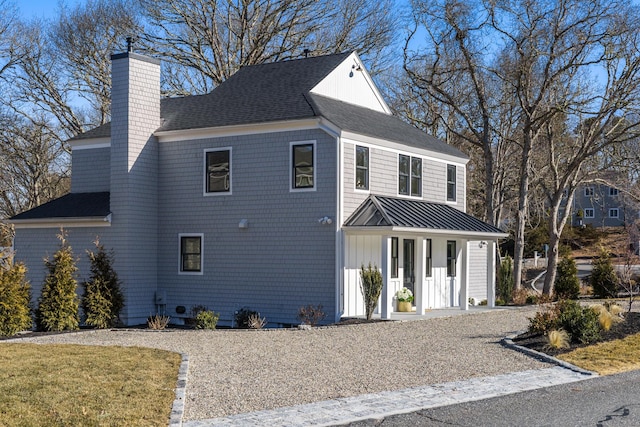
(446, 185)
(411, 157)
(204, 172)
(593, 213)
(588, 190)
(617, 215)
(292, 189)
(190, 273)
(355, 169)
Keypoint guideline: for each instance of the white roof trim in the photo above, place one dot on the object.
(400, 148)
(237, 130)
(85, 144)
(71, 222)
(382, 230)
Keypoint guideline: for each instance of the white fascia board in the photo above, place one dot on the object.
(399, 148)
(381, 231)
(238, 130)
(87, 144)
(82, 222)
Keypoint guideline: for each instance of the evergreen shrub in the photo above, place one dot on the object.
(567, 285)
(103, 299)
(371, 287)
(505, 280)
(58, 304)
(604, 280)
(15, 295)
(206, 319)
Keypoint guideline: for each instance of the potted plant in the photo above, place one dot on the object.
(405, 298)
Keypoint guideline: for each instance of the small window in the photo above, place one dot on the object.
(303, 173)
(394, 257)
(218, 171)
(589, 213)
(451, 183)
(362, 168)
(588, 191)
(427, 259)
(416, 177)
(613, 191)
(451, 258)
(409, 176)
(191, 253)
(614, 213)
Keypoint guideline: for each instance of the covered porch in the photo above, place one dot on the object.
(444, 256)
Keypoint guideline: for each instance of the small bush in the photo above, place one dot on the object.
(15, 295)
(206, 319)
(196, 309)
(558, 339)
(532, 299)
(158, 322)
(567, 285)
(311, 315)
(371, 287)
(505, 280)
(581, 324)
(544, 321)
(483, 302)
(249, 319)
(604, 280)
(520, 296)
(58, 303)
(256, 322)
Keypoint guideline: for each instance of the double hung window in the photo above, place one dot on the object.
(190, 253)
(218, 171)
(303, 173)
(362, 168)
(409, 176)
(451, 183)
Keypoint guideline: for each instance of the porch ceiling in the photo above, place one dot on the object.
(391, 213)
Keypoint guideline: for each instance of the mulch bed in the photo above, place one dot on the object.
(538, 342)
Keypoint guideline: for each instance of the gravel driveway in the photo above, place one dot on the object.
(234, 371)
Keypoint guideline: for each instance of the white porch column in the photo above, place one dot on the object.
(464, 286)
(491, 273)
(419, 286)
(387, 295)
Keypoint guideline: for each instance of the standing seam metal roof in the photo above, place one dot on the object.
(380, 211)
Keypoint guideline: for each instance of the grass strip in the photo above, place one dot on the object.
(609, 357)
(53, 385)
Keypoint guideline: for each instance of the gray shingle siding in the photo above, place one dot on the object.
(35, 244)
(285, 259)
(91, 170)
(134, 162)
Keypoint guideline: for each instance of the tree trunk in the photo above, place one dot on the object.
(521, 217)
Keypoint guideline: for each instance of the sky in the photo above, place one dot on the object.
(41, 8)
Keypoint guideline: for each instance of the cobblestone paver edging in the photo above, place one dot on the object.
(177, 409)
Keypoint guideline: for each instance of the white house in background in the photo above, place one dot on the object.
(269, 192)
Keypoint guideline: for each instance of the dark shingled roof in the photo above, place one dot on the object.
(379, 211)
(72, 205)
(280, 91)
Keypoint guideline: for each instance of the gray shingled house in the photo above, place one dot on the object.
(269, 193)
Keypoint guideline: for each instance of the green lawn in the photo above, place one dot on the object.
(55, 385)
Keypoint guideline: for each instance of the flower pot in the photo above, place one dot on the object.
(404, 306)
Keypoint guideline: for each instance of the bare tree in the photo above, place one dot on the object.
(203, 42)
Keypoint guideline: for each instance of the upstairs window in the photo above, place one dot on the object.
(362, 168)
(409, 176)
(218, 171)
(613, 191)
(303, 166)
(451, 183)
(190, 253)
(588, 191)
(614, 213)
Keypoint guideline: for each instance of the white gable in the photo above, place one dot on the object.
(350, 82)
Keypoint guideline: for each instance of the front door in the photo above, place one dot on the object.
(409, 265)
